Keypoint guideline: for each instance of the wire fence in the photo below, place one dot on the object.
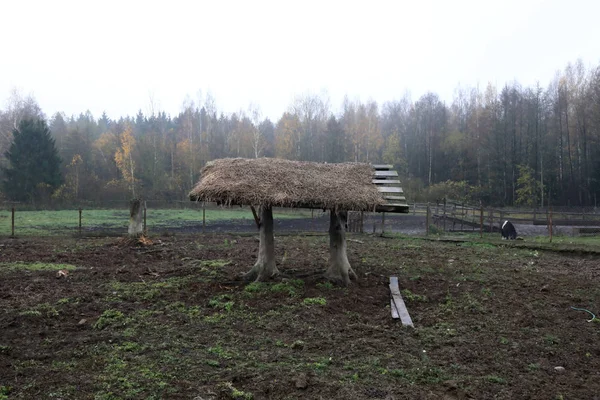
(443, 219)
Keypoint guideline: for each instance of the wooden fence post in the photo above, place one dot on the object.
(145, 231)
(491, 220)
(362, 216)
(481, 223)
(550, 221)
(203, 216)
(13, 223)
(79, 221)
(427, 220)
(444, 215)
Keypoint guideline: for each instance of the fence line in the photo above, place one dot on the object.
(449, 218)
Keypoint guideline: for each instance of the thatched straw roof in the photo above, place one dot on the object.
(287, 183)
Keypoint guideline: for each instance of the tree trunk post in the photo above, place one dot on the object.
(135, 218)
(339, 270)
(265, 267)
(383, 222)
(80, 222)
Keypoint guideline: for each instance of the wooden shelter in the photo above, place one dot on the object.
(269, 182)
(300, 184)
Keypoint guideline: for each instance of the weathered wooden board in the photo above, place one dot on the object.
(386, 173)
(395, 314)
(386, 181)
(397, 299)
(385, 189)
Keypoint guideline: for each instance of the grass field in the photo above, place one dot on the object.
(173, 320)
(42, 223)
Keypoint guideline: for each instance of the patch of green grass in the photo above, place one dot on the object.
(213, 263)
(213, 363)
(551, 339)
(495, 379)
(410, 296)
(43, 223)
(533, 367)
(108, 318)
(235, 393)
(471, 303)
(4, 392)
(223, 302)
(314, 301)
(504, 340)
(136, 291)
(291, 287)
(124, 376)
(255, 287)
(42, 309)
(321, 364)
(214, 318)
(35, 266)
(326, 285)
(219, 351)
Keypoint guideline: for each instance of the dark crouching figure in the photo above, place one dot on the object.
(509, 231)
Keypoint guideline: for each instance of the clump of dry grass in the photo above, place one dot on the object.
(285, 183)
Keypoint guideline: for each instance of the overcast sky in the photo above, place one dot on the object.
(114, 56)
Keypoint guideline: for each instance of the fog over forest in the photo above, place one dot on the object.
(508, 145)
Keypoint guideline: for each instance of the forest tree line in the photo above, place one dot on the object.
(511, 145)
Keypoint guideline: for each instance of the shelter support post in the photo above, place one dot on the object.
(339, 270)
(265, 267)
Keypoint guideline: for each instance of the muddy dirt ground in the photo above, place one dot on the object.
(173, 320)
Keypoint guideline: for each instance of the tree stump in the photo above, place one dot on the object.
(339, 270)
(136, 226)
(265, 267)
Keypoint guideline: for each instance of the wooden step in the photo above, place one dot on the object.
(385, 181)
(382, 166)
(385, 173)
(389, 189)
(398, 198)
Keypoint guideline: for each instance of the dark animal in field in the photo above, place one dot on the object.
(508, 231)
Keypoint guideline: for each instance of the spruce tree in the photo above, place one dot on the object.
(34, 164)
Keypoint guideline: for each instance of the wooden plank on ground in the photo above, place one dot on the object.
(386, 173)
(385, 181)
(395, 314)
(387, 189)
(397, 299)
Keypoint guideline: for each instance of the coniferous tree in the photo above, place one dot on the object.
(34, 164)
